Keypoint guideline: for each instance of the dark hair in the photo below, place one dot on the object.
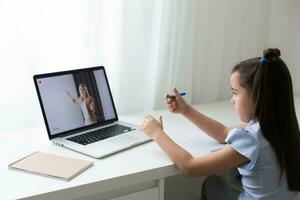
(269, 81)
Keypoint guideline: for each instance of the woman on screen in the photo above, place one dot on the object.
(86, 103)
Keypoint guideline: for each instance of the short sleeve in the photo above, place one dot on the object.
(245, 143)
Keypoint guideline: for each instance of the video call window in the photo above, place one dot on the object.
(76, 100)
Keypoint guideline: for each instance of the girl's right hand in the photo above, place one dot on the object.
(177, 104)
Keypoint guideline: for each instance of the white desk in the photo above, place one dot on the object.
(136, 173)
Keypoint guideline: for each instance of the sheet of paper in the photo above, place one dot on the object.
(197, 142)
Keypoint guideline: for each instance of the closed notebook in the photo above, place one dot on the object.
(51, 165)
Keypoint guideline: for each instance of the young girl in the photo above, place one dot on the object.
(265, 149)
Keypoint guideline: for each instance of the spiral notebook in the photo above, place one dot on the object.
(51, 165)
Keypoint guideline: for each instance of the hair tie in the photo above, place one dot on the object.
(263, 59)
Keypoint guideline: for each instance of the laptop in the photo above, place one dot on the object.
(79, 113)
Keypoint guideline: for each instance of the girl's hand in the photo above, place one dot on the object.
(177, 104)
(152, 127)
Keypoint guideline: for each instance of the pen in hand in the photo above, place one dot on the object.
(173, 97)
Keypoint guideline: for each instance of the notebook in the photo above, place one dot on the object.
(55, 166)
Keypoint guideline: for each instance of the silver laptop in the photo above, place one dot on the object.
(80, 114)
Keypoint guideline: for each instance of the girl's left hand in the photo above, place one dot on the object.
(152, 127)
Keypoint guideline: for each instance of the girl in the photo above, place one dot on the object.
(265, 149)
(86, 103)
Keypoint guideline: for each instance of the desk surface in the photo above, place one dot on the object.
(112, 172)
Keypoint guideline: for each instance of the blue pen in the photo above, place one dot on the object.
(184, 93)
(173, 97)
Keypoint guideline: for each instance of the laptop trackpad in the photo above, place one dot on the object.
(124, 140)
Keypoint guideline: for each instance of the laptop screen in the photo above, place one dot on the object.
(75, 99)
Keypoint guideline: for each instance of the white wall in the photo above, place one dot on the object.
(227, 32)
(231, 31)
(284, 33)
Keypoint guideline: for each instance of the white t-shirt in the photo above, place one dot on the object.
(261, 175)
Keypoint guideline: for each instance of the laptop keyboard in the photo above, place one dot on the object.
(100, 134)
